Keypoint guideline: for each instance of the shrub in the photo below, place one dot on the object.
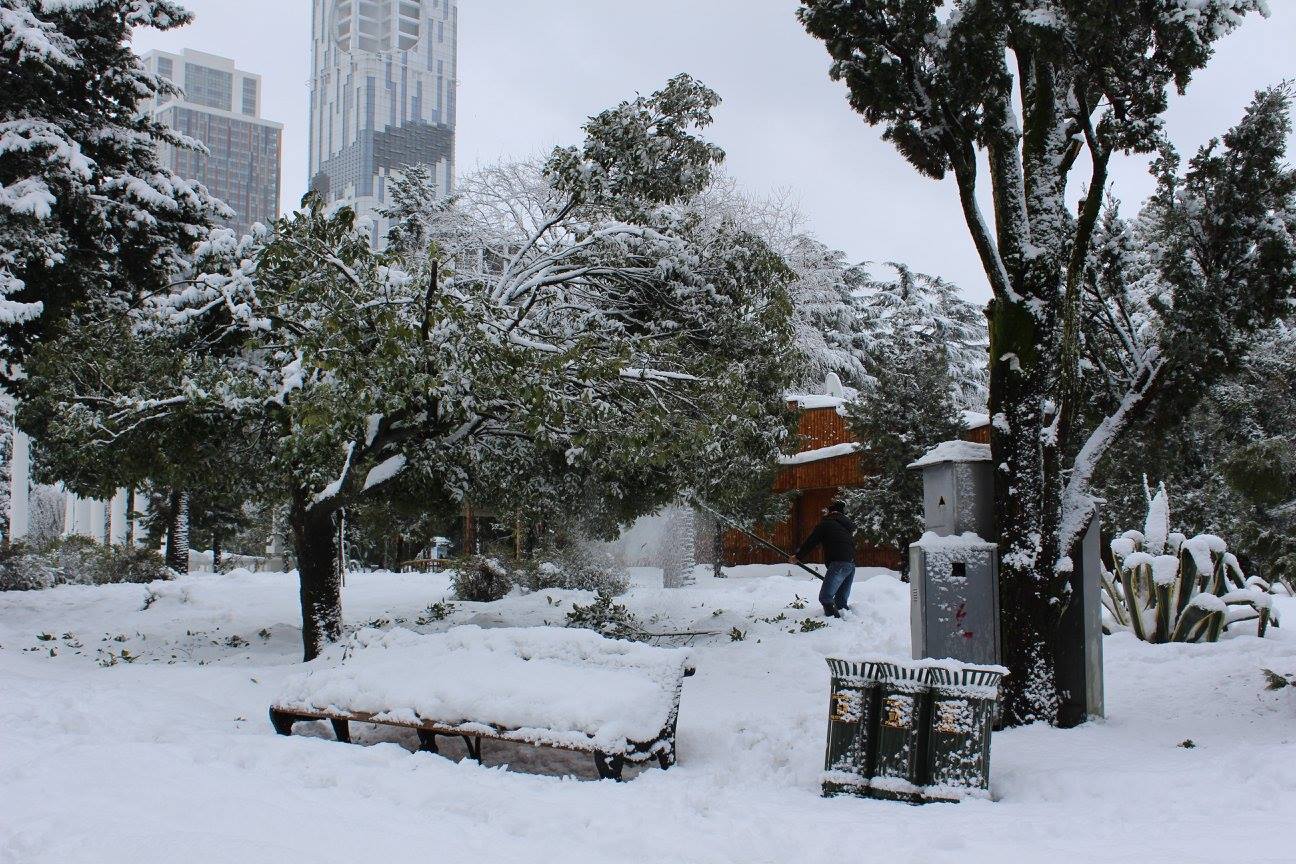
(24, 568)
(481, 580)
(1167, 588)
(608, 618)
(77, 561)
(578, 567)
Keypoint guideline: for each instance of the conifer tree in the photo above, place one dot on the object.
(944, 80)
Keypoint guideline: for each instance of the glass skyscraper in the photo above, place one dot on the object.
(221, 107)
(382, 95)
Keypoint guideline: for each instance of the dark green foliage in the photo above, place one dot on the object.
(96, 219)
(481, 580)
(77, 561)
(910, 411)
(604, 615)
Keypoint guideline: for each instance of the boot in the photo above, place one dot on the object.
(830, 611)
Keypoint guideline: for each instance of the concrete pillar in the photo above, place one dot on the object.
(69, 514)
(85, 518)
(19, 486)
(117, 518)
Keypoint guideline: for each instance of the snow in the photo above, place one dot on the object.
(975, 419)
(556, 686)
(171, 757)
(820, 454)
(385, 470)
(954, 451)
(806, 401)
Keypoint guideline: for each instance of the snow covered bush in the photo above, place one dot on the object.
(77, 561)
(1169, 588)
(578, 567)
(25, 568)
(607, 617)
(481, 580)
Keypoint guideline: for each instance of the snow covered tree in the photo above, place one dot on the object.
(679, 547)
(87, 212)
(548, 329)
(910, 410)
(945, 80)
(913, 314)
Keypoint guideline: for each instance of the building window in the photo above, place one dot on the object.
(211, 87)
(249, 96)
(166, 68)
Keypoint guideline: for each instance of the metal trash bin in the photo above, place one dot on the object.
(964, 698)
(852, 726)
(902, 730)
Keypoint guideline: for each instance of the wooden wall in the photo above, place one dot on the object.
(815, 485)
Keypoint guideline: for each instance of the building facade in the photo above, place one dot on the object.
(382, 96)
(221, 107)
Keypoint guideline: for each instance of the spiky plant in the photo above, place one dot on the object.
(1168, 588)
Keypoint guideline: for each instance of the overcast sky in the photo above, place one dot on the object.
(531, 72)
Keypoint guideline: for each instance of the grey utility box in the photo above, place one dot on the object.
(1080, 657)
(954, 568)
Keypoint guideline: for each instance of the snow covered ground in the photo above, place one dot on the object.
(135, 734)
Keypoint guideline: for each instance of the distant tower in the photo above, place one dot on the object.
(221, 107)
(382, 95)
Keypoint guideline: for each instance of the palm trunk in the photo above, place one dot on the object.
(177, 537)
(315, 542)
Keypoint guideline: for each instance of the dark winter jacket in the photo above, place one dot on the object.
(836, 534)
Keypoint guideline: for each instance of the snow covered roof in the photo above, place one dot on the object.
(954, 451)
(820, 454)
(975, 419)
(816, 400)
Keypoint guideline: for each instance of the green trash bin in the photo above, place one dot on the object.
(903, 709)
(964, 698)
(852, 724)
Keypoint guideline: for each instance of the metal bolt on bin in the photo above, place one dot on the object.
(963, 701)
(852, 724)
(903, 709)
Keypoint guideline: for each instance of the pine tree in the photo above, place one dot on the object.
(87, 212)
(944, 80)
(910, 410)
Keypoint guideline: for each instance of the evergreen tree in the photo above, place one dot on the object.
(910, 410)
(945, 79)
(87, 212)
(550, 332)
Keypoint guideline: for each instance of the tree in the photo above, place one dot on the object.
(910, 410)
(87, 212)
(945, 80)
(552, 331)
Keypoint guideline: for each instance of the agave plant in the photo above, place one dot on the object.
(1169, 588)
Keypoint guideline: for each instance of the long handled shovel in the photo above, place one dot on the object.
(761, 540)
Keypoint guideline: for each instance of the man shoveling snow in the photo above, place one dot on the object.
(836, 534)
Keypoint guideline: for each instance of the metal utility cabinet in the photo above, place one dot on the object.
(954, 569)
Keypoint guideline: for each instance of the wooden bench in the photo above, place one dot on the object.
(648, 680)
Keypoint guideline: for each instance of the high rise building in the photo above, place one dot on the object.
(382, 95)
(221, 107)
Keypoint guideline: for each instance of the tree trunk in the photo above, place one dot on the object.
(177, 537)
(216, 550)
(315, 542)
(1027, 497)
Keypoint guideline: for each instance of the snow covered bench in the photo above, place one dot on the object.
(569, 689)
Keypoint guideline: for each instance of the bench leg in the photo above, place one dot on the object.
(427, 742)
(282, 722)
(474, 747)
(342, 730)
(609, 766)
(666, 759)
